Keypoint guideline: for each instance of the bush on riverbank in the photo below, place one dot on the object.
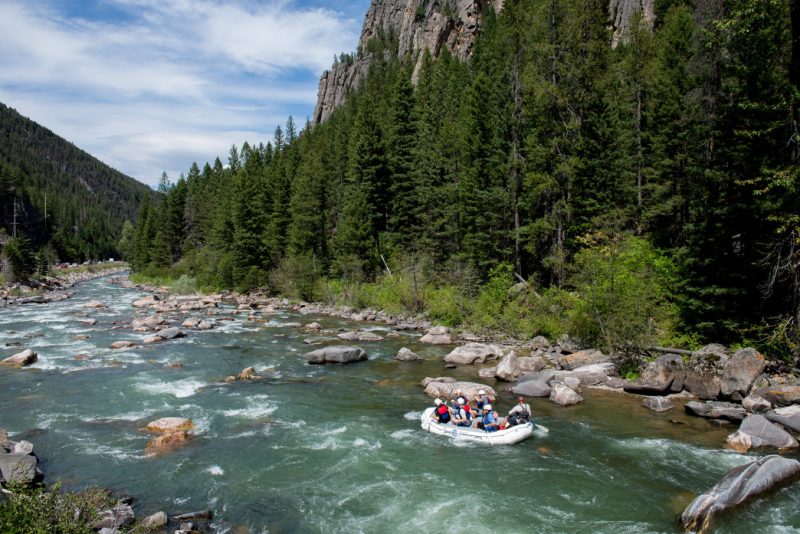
(39, 510)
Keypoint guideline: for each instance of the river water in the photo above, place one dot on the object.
(339, 448)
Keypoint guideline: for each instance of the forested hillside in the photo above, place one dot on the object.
(64, 199)
(646, 192)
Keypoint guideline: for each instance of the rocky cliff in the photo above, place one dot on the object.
(434, 25)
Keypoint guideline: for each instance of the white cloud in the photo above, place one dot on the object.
(171, 81)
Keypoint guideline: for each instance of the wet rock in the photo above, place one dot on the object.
(473, 353)
(336, 354)
(573, 383)
(740, 484)
(788, 416)
(80, 337)
(15, 467)
(204, 326)
(360, 335)
(21, 359)
(22, 447)
(406, 355)
(716, 410)
(564, 396)
(152, 339)
(247, 373)
(581, 358)
(167, 442)
(124, 344)
(149, 300)
(657, 404)
(753, 403)
(204, 515)
(438, 335)
(171, 333)
(314, 326)
(447, 389)
(155, 521)
(741, 371)
(780, 395)
(170, 424)
(120, 516)
(191, 322)
(95, 304)
(89, 322)
(757, 432)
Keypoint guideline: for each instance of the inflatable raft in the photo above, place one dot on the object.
(509, 436)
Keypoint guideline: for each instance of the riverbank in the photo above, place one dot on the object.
(54, 287)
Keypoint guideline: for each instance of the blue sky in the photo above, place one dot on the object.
(153, 85)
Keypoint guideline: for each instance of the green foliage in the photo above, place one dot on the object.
(20, 256)
(41, 511)
(296, 276)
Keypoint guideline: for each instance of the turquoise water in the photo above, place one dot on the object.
(339, 448)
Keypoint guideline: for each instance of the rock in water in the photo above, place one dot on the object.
(788, 417)
(780, 395)
(446, 387)
(170, 424)
(167, 442)
(657, 404)
(123, 345)
(564, 396)
(716, 410)
(438, 335)
(171, 333)
(360, 335)
(473, 353)
(21, 359)
(581, 358)
(757, 432)
(737, 486)
(406, 355)
(532, 388)
(336, 355)
(741, 371)
(508, 368)
(754, 404)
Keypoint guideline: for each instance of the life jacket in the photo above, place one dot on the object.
(442, 413)
(467, 411)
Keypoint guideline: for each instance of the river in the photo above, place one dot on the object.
(339, 448)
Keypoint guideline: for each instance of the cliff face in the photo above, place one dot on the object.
(418, 25)
(434, 25)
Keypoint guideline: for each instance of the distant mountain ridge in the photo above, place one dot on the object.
(55, 193)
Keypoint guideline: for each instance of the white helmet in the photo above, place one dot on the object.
(461, 401)
(437, 402)
(482, 392)
(487, 407)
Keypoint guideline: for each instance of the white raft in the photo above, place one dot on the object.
(509, 436)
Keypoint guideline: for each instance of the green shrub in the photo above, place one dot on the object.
(42, 511)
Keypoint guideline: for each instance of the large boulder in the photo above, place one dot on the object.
(737, 486)
(596, 373)
(780, 395)
(740, 372)
(438, 335)
(473, 353)
(407, 355)
(754, 403)
(156, 521)
(581, 358)
(120, 516)
(703, 385)
(447, 389)
(171, 333)
(532, 388)
(716, 410)
(167, 442)
(508, 367)
(21, 359)
(665, 372)
(757, 432)
(170, 424)
(18, 467)
(124, 344)
(337, 354)
(564, 396)
(360, 335)
(704, 370)
(657, 404)
(149, 300)
(788, 417)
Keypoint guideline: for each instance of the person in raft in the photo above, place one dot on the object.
(462, 416)
(518, 415)
(487, 421)
(482, 399)
(441, 412)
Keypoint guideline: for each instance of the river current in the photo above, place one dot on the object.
(339, 448)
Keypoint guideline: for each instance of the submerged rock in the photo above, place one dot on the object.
(737, 486)
(336, 354)
(757, 432)
(657, 404)
(21, 359)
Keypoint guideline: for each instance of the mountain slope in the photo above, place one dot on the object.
(59, 193)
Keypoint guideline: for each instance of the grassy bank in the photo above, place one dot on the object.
(93, 268)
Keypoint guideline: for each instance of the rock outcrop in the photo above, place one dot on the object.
(622, 13)
(757, 432)
(737, 486)
(473, 353)
(446, 387)
(564, 396)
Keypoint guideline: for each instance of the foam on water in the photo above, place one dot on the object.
(179, 388)
(412, 416)
(257, 407)
(216, 470)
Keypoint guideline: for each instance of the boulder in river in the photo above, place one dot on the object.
(701, 384)
(438, 335)
(21, 359)
(149, 300)
(564, 396)
(737, 486)
(313, 326)
(406, 355)
(149, 340)
(167, 442)
(191, 322)
(657, 404)
(757, 432)
(788, 416)
(740, 372)
(360, 335)
(170, 424)
(716, 410)
(336, 354)
(95, 304)
(754, 403)
(171, 333)
(664, 374)
(473, 353)
(581, 358)
(123, 344)
(447, 389)
(596, 373)
(247, 374)
(532, 388)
